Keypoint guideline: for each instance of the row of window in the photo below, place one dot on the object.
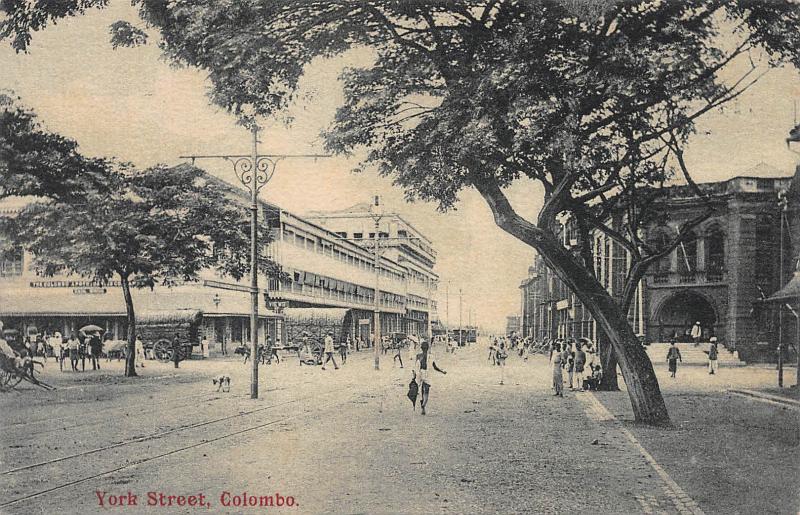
(327, 248)
(321, 286)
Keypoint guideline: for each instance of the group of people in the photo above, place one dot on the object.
(78, 347)
(674, 357)
(579, 360)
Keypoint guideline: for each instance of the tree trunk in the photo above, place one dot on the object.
(637, 370)
(130, 355)
(608, 360)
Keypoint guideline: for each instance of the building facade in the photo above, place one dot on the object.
(399, 243)
(324, 271)
(717, 276)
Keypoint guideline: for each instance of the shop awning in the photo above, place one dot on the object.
(315, 315)
(28, 301)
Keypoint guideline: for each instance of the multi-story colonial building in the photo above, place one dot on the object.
(328, 277)
(398, 242)
(717, 276)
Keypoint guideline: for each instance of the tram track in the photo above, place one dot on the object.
(202, 442)
(148, 437)
(28, 423)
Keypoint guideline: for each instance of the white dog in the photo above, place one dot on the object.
(223, 383)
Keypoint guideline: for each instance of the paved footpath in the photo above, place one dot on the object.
(347, 441)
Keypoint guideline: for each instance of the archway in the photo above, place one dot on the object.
(679, 312)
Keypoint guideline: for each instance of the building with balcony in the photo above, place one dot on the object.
(399, 243)
(328, 277)
(717, 276)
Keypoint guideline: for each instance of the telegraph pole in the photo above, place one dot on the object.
(460, 312)
(377, 307)
(253, 171)
(254, 269)
(783, 203)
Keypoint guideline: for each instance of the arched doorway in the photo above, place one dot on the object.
(679, 312)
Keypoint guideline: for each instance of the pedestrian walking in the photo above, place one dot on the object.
(555, 364)
(502, 354)
(73, 345)
(713, 355)
(329, 351)
(673, 356)
(423, 361)
(493, 351)
(398, 355)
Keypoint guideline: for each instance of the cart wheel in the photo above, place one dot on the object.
(9, 379)
(162, 350)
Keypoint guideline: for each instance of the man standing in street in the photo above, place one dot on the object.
(713, 355)
(329, 351)
(696, 333)
(580, 362)
(176, 350)
(673, 356)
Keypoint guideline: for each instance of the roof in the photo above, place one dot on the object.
(170, 317)
(323, 316)
(790, 292)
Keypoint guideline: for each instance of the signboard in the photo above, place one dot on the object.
(363, 321)
(72, 284)
(89, 291)
(562, 304)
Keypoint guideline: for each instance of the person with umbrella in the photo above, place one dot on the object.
(424, 360)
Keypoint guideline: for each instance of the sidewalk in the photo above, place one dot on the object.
(730, 453)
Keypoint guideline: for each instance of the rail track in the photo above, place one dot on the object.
(155, 436)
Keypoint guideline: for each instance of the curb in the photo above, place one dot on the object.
(766, 397)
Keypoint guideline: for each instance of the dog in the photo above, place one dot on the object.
(223, 383)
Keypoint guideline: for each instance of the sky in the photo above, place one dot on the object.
(132, 104)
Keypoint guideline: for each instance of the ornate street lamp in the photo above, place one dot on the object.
(253, 171)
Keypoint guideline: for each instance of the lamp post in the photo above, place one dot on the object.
(376, 214)
(783, 203)
(430, 309)
(253, 171)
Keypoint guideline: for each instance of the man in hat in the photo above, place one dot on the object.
(329, 351)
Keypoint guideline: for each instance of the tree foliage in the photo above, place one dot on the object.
(593, 100)
(36, 162)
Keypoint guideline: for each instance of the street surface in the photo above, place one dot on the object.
(348, 441)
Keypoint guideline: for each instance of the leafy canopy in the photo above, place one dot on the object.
(36, 162)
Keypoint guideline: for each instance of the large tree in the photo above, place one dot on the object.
(156, 227)
(592, 100)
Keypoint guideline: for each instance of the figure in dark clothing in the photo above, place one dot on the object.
(673, 356)
(176, 350)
